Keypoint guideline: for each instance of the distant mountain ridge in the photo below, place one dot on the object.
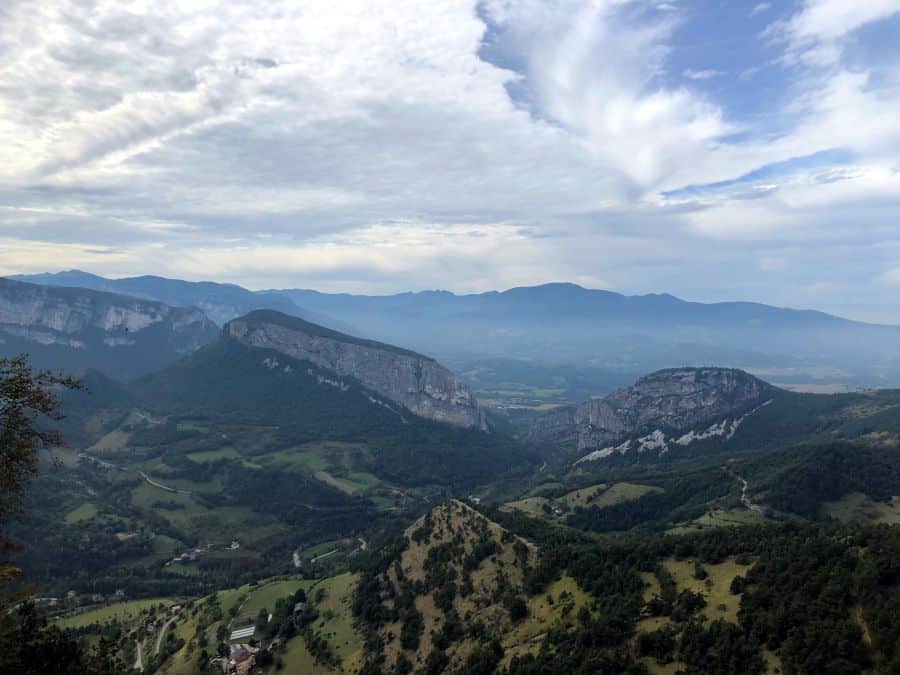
(566, 324)
(75, 329)
(220, 302)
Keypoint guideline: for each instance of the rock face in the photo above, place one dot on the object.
(76, 328)
(220, 302)
(664, 401)
(416, 382)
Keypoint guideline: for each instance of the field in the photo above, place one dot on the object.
(212, 455)
(216, 526)
(67, 457)
(113, 443)
(599, 495)
(715, 589)
(559, 604)
(353, 483)
(532, 506)
(335, 624)
(720, 518)
(86, 511)
(122, 611)
(859, 508)
(321, 456)
(267, 594)
(720, 603)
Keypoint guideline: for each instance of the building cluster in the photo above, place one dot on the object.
(194, 553)
(239, 661)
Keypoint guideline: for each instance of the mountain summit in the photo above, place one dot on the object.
(76, 328)
(675, 399)
(416, 382)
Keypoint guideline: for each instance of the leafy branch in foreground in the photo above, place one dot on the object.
(26, 396)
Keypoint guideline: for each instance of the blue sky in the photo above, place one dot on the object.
(715, 150)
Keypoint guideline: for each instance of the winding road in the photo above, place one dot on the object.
(863, 626)
(163, 487)
(745, 498)
(138, 662)
(162, 632)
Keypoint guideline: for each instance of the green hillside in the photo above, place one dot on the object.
(234, 443)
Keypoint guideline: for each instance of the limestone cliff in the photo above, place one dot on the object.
(662, 402)
(77, 328)
(416, 382)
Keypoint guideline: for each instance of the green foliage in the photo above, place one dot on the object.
(483, 660)
(685, 497)
(516, 607)
(25, 396)
(226, 382)
(658, 644)
(801, 480)
(721, 647)
(412, 629)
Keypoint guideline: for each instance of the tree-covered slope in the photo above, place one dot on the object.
(229, 381)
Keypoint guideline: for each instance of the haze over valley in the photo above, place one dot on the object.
(484, 337)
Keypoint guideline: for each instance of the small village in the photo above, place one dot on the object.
(194, 553)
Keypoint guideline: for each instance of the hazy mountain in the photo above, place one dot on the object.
(565, 323)
(220, 302)
(74, 329)
(414, 382)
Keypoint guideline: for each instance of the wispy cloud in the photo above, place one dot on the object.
(815, 34)
(706, 74)
(891, 277)
(469, 145)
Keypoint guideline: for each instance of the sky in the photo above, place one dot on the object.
(715, 150)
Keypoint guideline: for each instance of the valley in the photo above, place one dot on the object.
(289, 497)
(475, 337)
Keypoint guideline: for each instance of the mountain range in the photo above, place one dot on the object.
(220, 302)
(652, 528)
(607, 335)
(565, 323)
(74, 329)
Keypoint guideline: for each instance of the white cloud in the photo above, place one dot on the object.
(769, 263)
(891, 277)
(592, 68)
(375, 145)
(705, 74)
(815, 33)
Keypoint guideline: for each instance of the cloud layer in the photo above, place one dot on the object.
(378, 146)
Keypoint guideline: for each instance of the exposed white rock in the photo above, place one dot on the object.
(657, 440)
(667, 399)
(653, 441)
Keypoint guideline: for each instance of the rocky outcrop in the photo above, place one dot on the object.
(76, 328)
(219, 302)
(416, 382)
(658, 404)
